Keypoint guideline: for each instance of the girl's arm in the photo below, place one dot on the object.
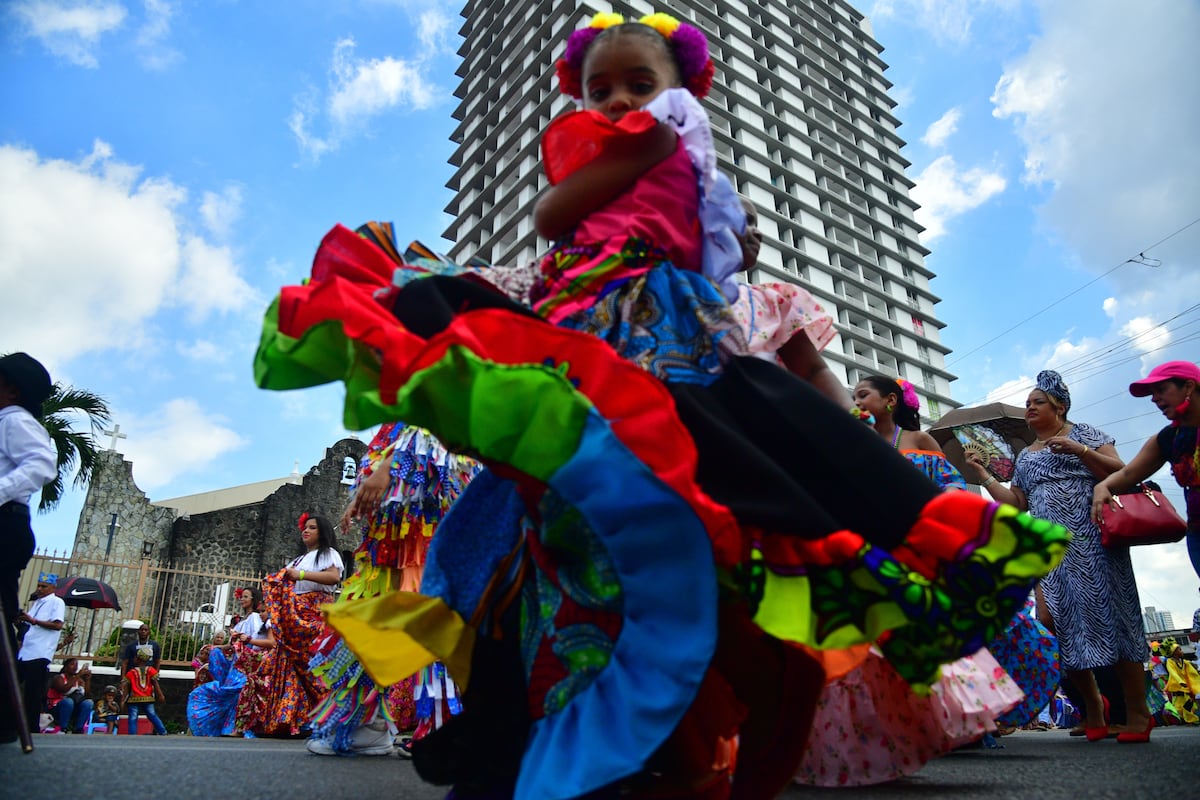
(802, 359)
(327, 577)
(266, 643)
(1143, 465)
(924, 441)
(600, 181)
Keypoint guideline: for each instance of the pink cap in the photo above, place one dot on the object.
(1184, 370)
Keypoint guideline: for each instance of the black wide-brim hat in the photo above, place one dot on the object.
(29, 377)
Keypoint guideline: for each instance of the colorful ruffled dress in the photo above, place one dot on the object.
(1028, 651)
(871, 726)
(281, 692)
(772, 313)
(424, 482)
(650, 485)
(212, 706)
(1183, 689)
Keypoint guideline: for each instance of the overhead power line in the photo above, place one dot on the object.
(1140, 258)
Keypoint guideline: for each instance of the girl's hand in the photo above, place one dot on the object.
(369, 496)
(1101, 497)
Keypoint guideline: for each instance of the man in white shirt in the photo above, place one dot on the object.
(27, 463)
(45, 618)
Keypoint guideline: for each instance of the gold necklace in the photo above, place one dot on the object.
(1051, 436)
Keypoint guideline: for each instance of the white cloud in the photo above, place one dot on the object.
(947, 21)
(1012, 391)
(363, 88)
(202, 350)
(210, 280)
(1145, 335)
(179, 438)
(221, 211)
(1111, 131)
(941, 130)
(93, 252)
(945, 192)
(434, 29)
(69, 30)
(359, 90)
(1111, 306)
(156, 27)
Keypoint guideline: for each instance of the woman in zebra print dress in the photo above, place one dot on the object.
(1091, 597)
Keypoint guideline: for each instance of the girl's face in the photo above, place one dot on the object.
(624, 72)
(868, 398)
(311, 535)
(751, 240)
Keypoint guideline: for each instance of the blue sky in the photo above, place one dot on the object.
(165, 166)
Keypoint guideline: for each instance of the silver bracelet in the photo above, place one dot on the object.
(988, 482)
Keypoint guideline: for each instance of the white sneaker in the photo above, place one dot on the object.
(365, 741)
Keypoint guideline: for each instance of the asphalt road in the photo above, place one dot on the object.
(1031, 765)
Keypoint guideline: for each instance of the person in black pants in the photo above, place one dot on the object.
(27, 463)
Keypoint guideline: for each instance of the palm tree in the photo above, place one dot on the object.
(75, 448)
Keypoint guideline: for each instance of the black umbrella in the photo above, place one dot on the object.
(87, 593)
(997, 431)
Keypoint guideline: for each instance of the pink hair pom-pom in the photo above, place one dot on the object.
(910, 394)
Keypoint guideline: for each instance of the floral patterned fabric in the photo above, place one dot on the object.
(672, 323)
(772, 313)
(1029, 653)
(283, 692)
(871, 727)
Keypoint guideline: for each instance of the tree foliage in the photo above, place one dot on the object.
(76, 448)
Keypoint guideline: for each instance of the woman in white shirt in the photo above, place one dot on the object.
(282, 692)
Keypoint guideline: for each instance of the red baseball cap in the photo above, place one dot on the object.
(1184, 370)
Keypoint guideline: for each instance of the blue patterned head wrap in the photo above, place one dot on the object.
(1052, 384)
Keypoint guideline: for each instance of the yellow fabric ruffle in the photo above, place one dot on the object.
(399, 634)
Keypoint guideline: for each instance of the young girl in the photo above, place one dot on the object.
(108, 708)
(895, 407)
(663, 513)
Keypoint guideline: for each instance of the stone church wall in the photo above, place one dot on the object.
(262, 537)
(256, 539)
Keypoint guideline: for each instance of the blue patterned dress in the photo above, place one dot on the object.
(1091, 595)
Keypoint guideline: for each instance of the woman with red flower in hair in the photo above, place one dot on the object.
(281, 692)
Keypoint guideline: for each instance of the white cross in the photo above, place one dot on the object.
(115, 433)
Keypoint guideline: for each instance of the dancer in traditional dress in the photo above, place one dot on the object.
(662, 513)
(405, 485)
(1091, 597)
(281, 692)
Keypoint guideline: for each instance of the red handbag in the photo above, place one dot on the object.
(1143, 516)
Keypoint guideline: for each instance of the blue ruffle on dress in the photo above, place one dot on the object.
(211, 706)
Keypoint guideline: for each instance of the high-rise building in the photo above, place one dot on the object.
(1158, 621)
(803, 125)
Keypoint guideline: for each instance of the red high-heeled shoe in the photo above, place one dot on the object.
(1102, 732)
(1137, 738)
